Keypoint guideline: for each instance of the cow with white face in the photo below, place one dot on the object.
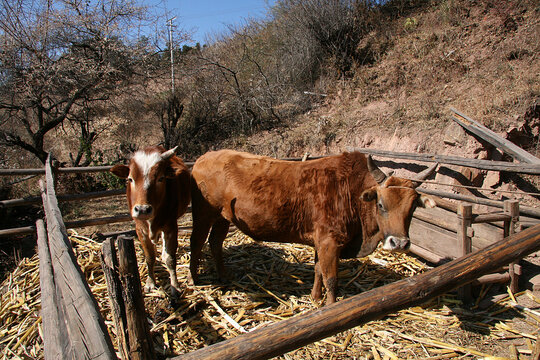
(158, 193)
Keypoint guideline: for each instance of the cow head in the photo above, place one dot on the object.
(146, 177)
(396, 199)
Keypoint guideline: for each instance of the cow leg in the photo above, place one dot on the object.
(328, 262)
(168, 256)
(196, 243)
(149, 250)
(217, 235)
(316, 292)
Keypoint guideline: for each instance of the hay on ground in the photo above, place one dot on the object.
(270, 282)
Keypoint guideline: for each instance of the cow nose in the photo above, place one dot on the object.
(394, 243)
(406, 244)
(142, 210)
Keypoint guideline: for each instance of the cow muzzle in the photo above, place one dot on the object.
(142, 212)
(396, 243)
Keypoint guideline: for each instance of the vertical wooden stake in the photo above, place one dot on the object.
(109, 264)
(125, 294)
(140, 341)
(465, 242)
(511, 208)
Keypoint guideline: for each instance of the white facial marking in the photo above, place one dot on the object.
(146, 162)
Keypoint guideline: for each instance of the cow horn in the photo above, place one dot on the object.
(374, 170)
(424, 175)
(167, 154)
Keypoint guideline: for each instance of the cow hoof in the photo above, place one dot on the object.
(175, 293)
(316, 295)
(175, 297)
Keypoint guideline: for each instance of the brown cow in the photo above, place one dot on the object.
(342, 205)
(158, 193)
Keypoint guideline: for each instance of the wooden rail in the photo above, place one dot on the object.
(74, 307)
(533, 169)
(525, 210)
(486, 134)
(70, 197)
(290, 334)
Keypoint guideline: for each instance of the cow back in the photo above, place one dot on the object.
(284, 201)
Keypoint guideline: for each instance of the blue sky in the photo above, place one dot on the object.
(206, 17)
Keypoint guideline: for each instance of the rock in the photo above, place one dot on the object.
(492, 179)
(472, 177)
(454, 135)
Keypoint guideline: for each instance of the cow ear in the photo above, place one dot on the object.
(426, 202)
(173, 170)
(122, 171)
(369, 194)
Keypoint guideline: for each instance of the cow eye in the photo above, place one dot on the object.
(130, 179)
(380, 206)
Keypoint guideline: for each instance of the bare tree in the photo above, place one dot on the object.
(56, 58)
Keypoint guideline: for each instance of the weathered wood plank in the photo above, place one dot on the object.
(85, 326)
(24, 230)
(55, 347)
(98, 221)
(482, 234)
(66, 170)
(489, 218)
(109, 264)
(437, 240)
(455, 160)
(290, 334)
(525, 210)
(486, 134)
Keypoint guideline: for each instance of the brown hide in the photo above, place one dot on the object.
(331, 203)
(158, 193)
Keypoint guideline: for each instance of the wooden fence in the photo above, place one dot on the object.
(73, 325)
(69, 307)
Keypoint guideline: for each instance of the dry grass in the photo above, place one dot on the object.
(460, 54)
(271, 282)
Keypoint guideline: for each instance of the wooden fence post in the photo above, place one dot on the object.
(511, 208)
(125, 295)
(465, 242)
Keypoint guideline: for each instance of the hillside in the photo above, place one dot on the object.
(482, 60)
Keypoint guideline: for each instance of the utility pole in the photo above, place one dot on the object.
(169, 23)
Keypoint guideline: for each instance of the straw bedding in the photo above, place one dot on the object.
(270, 282)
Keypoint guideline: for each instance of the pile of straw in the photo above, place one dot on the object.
(270, 282)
